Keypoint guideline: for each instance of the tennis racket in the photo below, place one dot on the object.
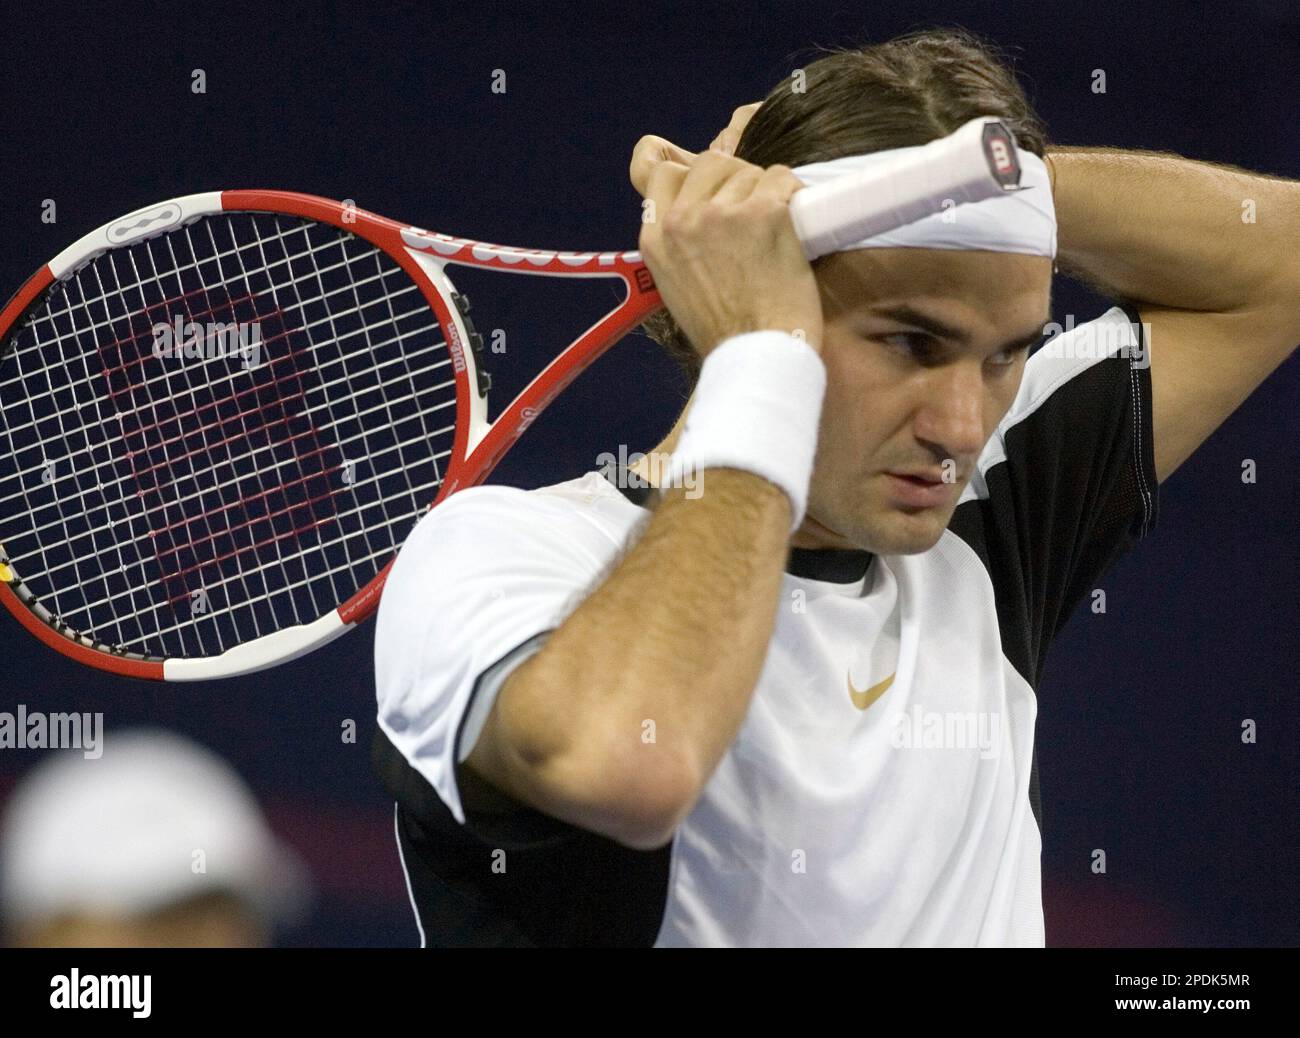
(220, 415)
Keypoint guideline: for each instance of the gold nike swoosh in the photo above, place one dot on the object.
(867, 696)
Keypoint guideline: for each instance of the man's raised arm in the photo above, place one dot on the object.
(1209, 256)
(677, 633)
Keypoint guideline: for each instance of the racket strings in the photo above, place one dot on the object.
(151, 382)
(245, 393)
(257, 477)
(193, 495)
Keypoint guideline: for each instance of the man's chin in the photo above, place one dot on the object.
(892, 530)
(888, 530)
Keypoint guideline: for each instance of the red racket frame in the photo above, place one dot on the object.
(403, 243)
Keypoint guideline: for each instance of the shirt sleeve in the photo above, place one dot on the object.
(474, 592)
(1070, 473)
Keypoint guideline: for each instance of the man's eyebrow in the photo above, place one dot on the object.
(941, 329)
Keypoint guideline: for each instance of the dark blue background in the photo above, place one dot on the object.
(1139, 732)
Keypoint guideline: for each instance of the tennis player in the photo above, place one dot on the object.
(774, 683)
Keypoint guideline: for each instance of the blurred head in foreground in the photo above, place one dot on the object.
(158, 843)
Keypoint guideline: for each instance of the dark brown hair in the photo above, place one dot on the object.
(906, 91)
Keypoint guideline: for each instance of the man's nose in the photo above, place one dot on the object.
(952, 414)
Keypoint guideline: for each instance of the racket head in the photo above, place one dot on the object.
(238, 502)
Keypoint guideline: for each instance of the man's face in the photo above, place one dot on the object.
(924, 352)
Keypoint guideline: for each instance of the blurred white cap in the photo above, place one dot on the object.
(155, 820)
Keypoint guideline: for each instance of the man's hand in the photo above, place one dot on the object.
(723, 251)
(650, 151)
(727, 140)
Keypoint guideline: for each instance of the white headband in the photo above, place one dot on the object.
(1019, 221)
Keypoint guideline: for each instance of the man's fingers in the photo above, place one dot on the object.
(739, 186)
(663, 183)
(725, 141)
(728, 139)
(650, 152)
(741, 116)
(710, 170)
(652, 148)
(778, 182)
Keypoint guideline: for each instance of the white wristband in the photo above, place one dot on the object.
(756, 408)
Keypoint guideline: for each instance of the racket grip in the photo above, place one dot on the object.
(975, 162)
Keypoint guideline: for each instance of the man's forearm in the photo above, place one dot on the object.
(1174, 232)
(675, 637)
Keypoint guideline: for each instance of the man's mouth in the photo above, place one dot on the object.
(919, 489)
(921, 475)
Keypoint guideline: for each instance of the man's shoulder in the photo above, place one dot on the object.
(500, 559)
(590, 492)
(1078, 370)
(1069, 351)
(501, 518)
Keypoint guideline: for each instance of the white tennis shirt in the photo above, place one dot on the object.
(882, 789)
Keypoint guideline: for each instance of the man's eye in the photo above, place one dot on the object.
(915, 344)
(1008, 358)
